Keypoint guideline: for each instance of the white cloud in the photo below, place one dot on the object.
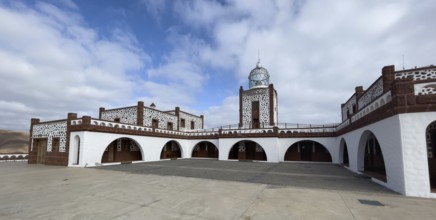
(226, 113)
(52, 63)
(315, 51)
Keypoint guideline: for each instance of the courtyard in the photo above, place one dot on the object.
(200, 189)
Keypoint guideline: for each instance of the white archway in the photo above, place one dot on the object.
(307, 150)
(205, 149)
(344, 157)
(247, 150)
(171, 149)
(370, 158)
(122, 149)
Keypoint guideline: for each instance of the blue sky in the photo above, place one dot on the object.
(75, 56)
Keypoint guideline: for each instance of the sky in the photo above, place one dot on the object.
(60, 56)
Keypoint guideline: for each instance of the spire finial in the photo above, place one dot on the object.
(258, 58)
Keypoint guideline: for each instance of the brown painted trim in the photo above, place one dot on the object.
(100, 112)
(241, 92)
(424, 81)
(32, 157)
(177, 113)
(271, 104)
(388, 75)
(403, 101)
(358, 91)
(140, 113)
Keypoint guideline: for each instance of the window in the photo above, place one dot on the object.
(55, 145)
(154, 123)
(117, 119)
(182, 123)
(192, 125)
(170, 126)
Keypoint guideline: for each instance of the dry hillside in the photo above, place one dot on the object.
(13, 142)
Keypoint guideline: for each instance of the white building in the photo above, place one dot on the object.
(388, 132)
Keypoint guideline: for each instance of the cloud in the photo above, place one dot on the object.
(226, 113)
(52, 62)
(316, 51)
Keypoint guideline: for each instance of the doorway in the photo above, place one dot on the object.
(41, 147)
(255, 114)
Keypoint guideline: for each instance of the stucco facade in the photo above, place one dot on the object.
(387, 133)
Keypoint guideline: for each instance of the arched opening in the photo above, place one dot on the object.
(122, 150)
(430, 135)
(344, 152)
(205, 149)
(171, 150)
(247, 150)
(308, 151)
(373, 161)
(76, 150)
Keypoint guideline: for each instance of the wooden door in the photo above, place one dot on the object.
(42, 148)
(255, 114)
(111, 153)
(306, 152)
(250, 150)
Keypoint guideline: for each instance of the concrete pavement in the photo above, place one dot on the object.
(199, 189)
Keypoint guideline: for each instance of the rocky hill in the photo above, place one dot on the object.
(12, 142)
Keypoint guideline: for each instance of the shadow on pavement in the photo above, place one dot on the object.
(306, 175)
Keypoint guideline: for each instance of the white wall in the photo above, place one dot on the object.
(413, 128)
(388, 135)
(93, 144)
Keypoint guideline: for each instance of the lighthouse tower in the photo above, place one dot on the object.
(258, 104)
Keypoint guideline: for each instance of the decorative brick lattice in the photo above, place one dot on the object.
(348, 107)
(417, 75)
(427, 90)
(241, 147)
(259, 148)
(430, 128)
(248, 97)
(371, 94)
(162, 117)
(119, 145)
(50, 131)
(126, 115)
(133, 146)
